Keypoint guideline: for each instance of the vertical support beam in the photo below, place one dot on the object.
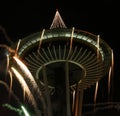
(67, 88)
(80, 101)
(49, 110)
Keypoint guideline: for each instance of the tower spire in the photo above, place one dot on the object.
(57, 21)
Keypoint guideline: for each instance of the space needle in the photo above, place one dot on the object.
(64, 62)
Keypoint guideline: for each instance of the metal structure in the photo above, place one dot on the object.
(65, 61)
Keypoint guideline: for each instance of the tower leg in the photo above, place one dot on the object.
(80, 101)
(67, 88)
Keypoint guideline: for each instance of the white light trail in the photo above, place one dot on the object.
(25, 111)
(98, 45)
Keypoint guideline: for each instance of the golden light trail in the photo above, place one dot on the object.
(71, 40)
(8, 48)
(7, 62)
(22, 82)
(96, 90)
(112, 67)
(17, 46)
(110, 74)
(76, 109)
(109, 81)
(31, 79)
(26, 72)
(11, 80)
(41, 38)
(26, 89)
(112, 64)
(73, 103)
(95, 95)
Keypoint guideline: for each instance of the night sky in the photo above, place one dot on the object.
(22, 18)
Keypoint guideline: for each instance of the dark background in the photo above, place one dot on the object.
(21, 18)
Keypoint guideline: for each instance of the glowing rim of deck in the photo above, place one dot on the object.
(63, 34)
